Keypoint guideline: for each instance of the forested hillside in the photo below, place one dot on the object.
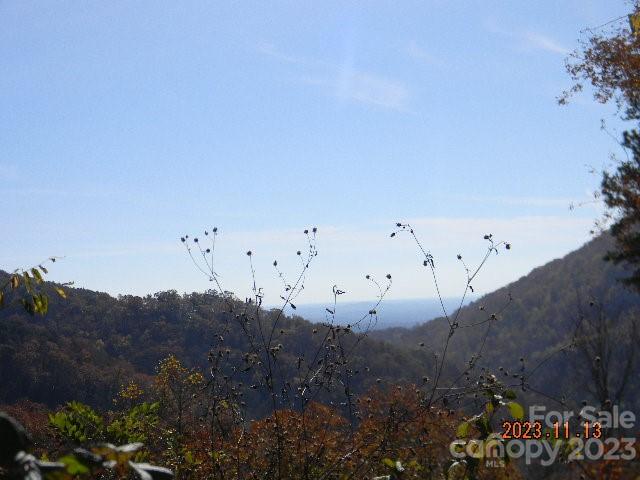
(543, 319)
(90, 344)
(107, 341)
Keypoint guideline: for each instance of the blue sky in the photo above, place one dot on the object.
(124, 125)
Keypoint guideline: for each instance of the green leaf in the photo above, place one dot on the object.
(463, 430)
(389, 463)
(27, 281)
(483, 425)
(60, 292)
(516, 410)
(37, 275)
(73, 465)
(55, 420)
(509, 395)
(41, 303)
(77, 422)
(1, 298)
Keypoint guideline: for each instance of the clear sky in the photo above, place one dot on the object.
(124, 125)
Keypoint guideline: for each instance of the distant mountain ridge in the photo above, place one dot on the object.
(391, 313)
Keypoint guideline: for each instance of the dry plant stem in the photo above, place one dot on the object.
(453, 324)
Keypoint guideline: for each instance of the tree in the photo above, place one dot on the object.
(99, 461)
(621, 193)
(610, 62)
(607, 353)
(29, 284)
(178, 387)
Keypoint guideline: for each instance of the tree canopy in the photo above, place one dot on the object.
(609, 61)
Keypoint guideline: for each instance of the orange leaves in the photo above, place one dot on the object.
(320, 441)
(609, 62)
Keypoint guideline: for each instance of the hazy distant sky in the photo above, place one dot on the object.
(124, 125)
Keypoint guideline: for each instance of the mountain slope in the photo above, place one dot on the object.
(90, 344)
(542, 317)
